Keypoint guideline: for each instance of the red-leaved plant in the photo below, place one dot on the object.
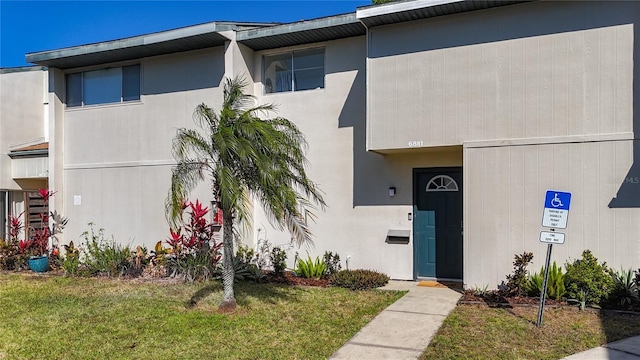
(39, 243)
(195, 237)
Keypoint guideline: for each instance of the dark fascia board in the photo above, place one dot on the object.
(22, 69)
(160, 43)
(302, 32)
(29, 153)
(402, 11)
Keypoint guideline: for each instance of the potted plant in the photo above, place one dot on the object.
(39, 262)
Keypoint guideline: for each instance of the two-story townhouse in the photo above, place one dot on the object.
(434, 128)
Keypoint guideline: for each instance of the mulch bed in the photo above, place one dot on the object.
(495, 299)
(289, 279)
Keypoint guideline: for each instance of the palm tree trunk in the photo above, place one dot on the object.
(228, 274)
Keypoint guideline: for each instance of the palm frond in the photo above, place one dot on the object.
(244, 154)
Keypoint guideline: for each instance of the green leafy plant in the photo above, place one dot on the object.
(517, 282)
(245, 265)
(625, 289)
(104, 257)
(278, 258)
(480, 291)
(71, 260)
(358, 279)
(581, 297)
(332, 262)
(245, 254)
(195, 266)
(158, 254)
(555, 283)
(310, 269)
(589, 278)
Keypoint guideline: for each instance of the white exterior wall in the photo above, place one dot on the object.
(117, 157)
(22, 121)
(541, 96)
(523, 71)
(355, 182)
(504, 200)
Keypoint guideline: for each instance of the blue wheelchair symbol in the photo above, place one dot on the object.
(557, 200)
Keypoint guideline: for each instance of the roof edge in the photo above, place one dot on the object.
(9, 70)
(139, 40)
(303, 25)
(396, 7)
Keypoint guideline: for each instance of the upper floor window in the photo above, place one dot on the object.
(104, 86)
(294, 71)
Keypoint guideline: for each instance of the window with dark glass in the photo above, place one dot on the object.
(104, 86)
(294, 71)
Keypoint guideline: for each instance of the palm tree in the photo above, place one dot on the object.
(245, 157)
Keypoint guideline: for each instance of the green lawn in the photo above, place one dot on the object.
(480, 332)
(52, 317)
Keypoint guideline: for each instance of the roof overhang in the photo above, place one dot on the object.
(302, 32)
(161, 43)
(401, 11)
(35, 150)
(22, 69)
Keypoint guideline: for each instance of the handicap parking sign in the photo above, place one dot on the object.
(556, 209)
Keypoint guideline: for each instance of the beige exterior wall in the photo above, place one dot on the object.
(523, 71)
(117, 157)
(355, 182)
(504, 200)
(23, 95)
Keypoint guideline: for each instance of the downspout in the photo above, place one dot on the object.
(366, 87)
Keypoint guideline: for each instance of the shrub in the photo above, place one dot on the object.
(104, 257)
(245, 265)
(278, 260)
(263, 254)
(358, 279)
(517, 282)
(194, 253)
(332, 263)
(555, 283)
(71, 261)
(587, 280)
(193, 266)
(245, 254)
(310, 269)
(625, 290)
(14, 253)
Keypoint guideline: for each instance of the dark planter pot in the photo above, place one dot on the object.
(39, 263)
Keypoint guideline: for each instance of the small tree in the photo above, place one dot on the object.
(243, 155)
(587, 280)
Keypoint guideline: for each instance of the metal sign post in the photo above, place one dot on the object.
(554, 216)
(543, 295)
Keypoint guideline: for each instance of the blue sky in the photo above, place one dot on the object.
(32, 26)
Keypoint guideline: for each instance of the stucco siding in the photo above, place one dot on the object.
(355, 182)
(504, 200)
(22, 95)
(522, 71)
(117, 157)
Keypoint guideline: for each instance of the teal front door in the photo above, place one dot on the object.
(437, 223)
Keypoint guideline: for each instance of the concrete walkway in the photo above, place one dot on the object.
(405, 328)
(626, 349)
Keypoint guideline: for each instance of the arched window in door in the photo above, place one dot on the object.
(442, 183)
